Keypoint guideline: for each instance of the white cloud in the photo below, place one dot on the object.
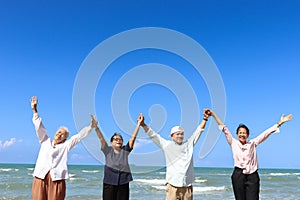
(7, 143)
(76, 156)
(141, 142)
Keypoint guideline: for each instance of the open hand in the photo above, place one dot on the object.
(33, 101)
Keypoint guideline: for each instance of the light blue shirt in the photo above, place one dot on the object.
(179, 158)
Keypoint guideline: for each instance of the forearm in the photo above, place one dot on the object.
(101, 138)
(203, 123)
(264, 135)
(280, 123)
(34, 109)
(156, 138)
(217, 119)
(75, 139)
(145, 127)
(197, 133)
(133, 136)
(39, 127)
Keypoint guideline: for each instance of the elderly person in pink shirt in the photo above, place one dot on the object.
(51, 167)
(245, 179)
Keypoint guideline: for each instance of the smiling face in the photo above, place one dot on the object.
(178, 137)
(61, 135)
(242, 134)
(116, 141)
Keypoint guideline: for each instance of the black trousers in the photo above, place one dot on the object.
(245, 186)
(116, 192)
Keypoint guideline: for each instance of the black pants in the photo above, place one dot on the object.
(245, 186)
(116, 192)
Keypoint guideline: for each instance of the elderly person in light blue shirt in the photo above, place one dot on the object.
(179, 159)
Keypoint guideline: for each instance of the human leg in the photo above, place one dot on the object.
(252, 186)
(238, 184)
(123, 192)
(39, 189)
(109, 192)
(56, 189)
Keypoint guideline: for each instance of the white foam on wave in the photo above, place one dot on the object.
(78, 179)
(207, 189)
(196, 189)
(159, 187)
(6, 169)
(200, 180)
(284, 174)
(90, 171)
(161, 181)
(151, 181)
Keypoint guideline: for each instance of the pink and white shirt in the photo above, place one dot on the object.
(245, 156)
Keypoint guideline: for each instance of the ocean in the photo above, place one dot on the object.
(85, 182)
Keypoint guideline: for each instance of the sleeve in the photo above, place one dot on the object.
(227, 133)
(40, 130)
(105, 150)
(127, 148)
(196, 135)
(264, 135)
(156, 138)
(75, 139)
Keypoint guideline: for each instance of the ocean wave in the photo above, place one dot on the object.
(200, 180)
(207, 189)
(90, 171)
(284, 174)
(151, 181)
(162, 181)
(196, 189)
(6, 169)
(78, 179)
(159, 187)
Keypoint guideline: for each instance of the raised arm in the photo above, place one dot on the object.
(263, 136)
(41, 131)
(223, 128)
(196, 135)
(156, 138)
(75, 139)
(99, 134)
(136, 130)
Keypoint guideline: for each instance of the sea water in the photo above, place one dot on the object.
(85, 182)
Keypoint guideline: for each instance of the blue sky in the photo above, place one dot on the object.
(254, 44)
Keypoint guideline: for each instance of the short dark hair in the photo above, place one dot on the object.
(115, 134)
(243, 126)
